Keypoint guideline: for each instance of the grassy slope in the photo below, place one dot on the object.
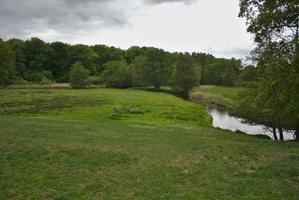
(103, 105)
(127, 144)
(221, 97)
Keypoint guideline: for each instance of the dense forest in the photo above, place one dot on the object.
(35, 61)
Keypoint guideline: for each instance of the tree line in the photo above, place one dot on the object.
(35, 61)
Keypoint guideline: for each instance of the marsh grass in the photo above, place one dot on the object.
(103, 104)
(216, 96)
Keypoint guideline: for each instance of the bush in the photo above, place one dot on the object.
(96, 80)
(38, 76)
(45, 81)
(78, 76)
(20, 81)
(117, 74)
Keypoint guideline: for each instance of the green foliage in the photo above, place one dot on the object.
(37, 60)
(7, 64)
(37, 76)
(78, 75)
(248, 76)
(116, 74)
(85, 55)
(229, 76)
(155, 67)
(137, 71)
(106, 54)
(95, 80)
(45, 81)
(60, 61)
(270, 103)
(221, 72)
(203, 59)
(275, 26)
(132, 53)
(186, 74)
(18, 46)
(37, 56)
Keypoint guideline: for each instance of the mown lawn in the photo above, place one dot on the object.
(128, 144)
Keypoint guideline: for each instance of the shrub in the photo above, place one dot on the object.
(45, 81)
(96, 80)
(38, 76)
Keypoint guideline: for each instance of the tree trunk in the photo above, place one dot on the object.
(297, 133)
(280, 134)
(185, 94)
(157, 87)
(274, 134)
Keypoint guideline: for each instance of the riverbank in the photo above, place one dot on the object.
(222, 98)
(220, 102)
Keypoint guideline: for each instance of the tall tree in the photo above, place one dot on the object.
(156, 67)
(275, 27)
(185, 75)
(78, 75)
(85, 55)
(117, 74)
(106, 54)
(60, 61)
(37, 60)
(18, 46)
(132, 53)
(229, 76)
(221, 72)
(7, 64)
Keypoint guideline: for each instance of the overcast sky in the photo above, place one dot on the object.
(210, 26)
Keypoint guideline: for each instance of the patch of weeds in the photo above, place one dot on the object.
(120, 111)
(42, 104)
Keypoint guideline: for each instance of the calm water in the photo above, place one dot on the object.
(223, 120)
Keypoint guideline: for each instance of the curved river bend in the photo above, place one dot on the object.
(221, 119)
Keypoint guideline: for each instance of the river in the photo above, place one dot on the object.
(222, 119)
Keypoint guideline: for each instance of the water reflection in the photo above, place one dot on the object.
(223, 120)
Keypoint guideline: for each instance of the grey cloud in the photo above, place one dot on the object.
(169, 1)
(19, 18)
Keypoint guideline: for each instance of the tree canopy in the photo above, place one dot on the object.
(186, 74)
(7, 64)
(78, 75)
(116, 74)
(275, 27)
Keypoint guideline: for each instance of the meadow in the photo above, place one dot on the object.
(132, 144)
(216, 96)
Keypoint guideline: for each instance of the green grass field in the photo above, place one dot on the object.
(217, 96)
(132, 144)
